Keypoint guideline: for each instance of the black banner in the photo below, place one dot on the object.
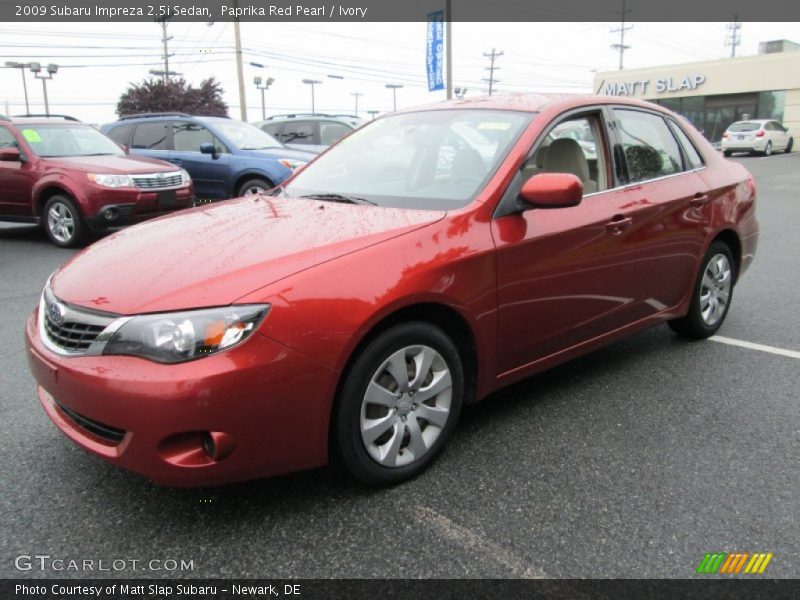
(435, 589)
(397, 10)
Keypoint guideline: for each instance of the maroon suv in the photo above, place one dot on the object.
(71, 179)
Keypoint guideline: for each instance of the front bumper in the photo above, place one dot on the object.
(127, 208)
(271, 405)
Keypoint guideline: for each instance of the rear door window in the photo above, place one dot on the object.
(650, 149)
(150, 136)
(121, 134)
(692, 155)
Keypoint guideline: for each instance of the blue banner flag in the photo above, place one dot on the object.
(435, 54)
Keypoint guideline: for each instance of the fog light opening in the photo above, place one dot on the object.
(209, 445)
(110, 214)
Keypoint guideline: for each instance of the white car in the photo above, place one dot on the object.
(757, 135)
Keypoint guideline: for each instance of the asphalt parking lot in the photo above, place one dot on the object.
(631, 462)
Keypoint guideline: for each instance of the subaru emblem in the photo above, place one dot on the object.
(57, 312)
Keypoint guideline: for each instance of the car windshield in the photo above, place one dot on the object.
(59, 140)
(246, 136)
(745, 126)
(436, 160)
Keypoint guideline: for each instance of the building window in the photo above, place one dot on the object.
(771, 105)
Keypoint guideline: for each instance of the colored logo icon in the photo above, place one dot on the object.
(734, 563)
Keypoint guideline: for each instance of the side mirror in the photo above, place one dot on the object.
(552, 190)
(125, 149)
(9, 155)
(209, 148)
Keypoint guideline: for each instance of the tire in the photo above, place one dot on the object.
(711, 296)
(768, 149)
(63, 222)
(789, 146)
(254, 186)
(382, 436)
(727, 153)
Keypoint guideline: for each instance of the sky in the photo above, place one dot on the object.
(99, 60)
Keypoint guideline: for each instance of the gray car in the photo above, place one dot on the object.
(313, 133)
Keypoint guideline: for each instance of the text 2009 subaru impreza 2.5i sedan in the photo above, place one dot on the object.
(429, 258)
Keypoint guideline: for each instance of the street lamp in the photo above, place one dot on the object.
(22, 67)
(165, 75)
(258, 81)
(51, 70)
(373, 113)
(460, 92)
(356, 95)
(312, 83)
(394, 87)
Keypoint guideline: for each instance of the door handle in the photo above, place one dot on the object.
(618, 224)
(699, 199)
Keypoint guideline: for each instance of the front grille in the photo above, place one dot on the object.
(71, 335)
(155, 181)
(101, 430)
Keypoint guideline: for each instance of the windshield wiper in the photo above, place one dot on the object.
(340, 198)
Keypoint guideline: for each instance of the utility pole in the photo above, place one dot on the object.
(734, 37)
(237, 34)
(356, 95)
(448, 41)
(164, 40)
(621, 30)
(492, 56)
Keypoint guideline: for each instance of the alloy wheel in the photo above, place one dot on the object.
(253, 190)
(61, 222)
(406, 406)
(715, 289)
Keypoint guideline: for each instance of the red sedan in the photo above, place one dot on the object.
(428, 259)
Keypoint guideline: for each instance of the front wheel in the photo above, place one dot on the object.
(712, 295)
(399, 404)
(255, 186)
(62, 222)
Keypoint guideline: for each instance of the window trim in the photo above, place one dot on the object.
(672, 124)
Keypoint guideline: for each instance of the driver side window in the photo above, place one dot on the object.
(575, 145)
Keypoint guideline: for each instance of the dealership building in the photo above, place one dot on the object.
(713, 94)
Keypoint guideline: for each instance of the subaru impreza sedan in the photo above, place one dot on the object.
(410, 270)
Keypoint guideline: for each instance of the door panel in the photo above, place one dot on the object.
(16, 181)
(210, 175)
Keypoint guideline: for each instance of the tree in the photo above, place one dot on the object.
(154, 95)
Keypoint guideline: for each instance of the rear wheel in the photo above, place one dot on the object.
(768, 149)
(399, 404)
(62, 222)
(727, 153)
(789, 146)
(712, 295)
(254, 186)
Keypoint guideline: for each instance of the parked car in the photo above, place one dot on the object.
(758, 135)
(226, 158)
(71, 179)
(313, 133)
(358, 311)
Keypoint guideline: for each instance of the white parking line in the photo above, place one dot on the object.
(470, 539)
(752, 346)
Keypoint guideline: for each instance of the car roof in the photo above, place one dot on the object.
(43, 121)
(533, 102)
(753, 121)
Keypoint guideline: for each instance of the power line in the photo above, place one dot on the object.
(734, 37)
(621, 30)
(492, 56)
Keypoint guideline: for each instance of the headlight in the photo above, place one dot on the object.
(181, 336)
(292, 164)
(185, 177)
(112, 181)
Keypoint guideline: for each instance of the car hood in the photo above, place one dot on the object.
(113, 165)
(211, 256)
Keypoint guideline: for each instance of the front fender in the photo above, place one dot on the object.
(62, 182)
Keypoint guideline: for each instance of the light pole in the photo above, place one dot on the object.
(460, 92)
(51, 69)
(356, 95)
(165, 75)
(312, 83)
(394, 87)
(258, 81)
(373, 113)
(22, 67)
